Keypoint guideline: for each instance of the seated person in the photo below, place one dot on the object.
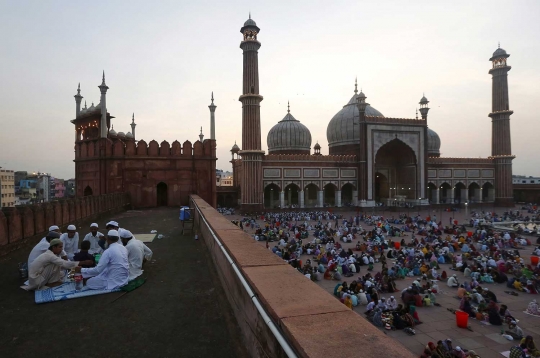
(84, 254)
(452, 281)
(426, 300)
(48, 269)
(138, 253)
(514, 330)
(532, 308)
(94, 236)
(43, 246)
(112, 270)
(71, 241)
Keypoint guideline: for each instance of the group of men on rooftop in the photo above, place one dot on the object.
(106, 262)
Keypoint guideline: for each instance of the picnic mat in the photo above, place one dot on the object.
(67, 291)
(145, 237)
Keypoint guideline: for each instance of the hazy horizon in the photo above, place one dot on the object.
(162, 60)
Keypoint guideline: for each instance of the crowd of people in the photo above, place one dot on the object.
(417, 246)
(105, 261)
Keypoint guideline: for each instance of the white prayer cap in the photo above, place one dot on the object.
(458, 348)
(112, 223)
(392, 297)
(94, 225)
(112, 233)
(124, 234)
(72, 227)
(54, 227)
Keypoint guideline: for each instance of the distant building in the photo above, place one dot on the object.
(59, 188)
(522, 179)
(526, 189)
(70, 188)
(224, 178)
(7, 188)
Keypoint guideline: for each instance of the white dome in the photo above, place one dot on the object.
(433, 143)
(129, 135)
(289, 134)
(341, 129)
(112, 132)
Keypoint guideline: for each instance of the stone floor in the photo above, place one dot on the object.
(438, 322)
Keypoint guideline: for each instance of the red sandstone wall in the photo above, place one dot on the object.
(138, 169)
(21, 223)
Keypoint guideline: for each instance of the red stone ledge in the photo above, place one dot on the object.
(313, 322)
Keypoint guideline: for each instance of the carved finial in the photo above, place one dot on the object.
(133, 118)
(288, 107)
(79, 88)
(201, 130)
(85, 104)
(417, 113)
(499, 46)
(356, 85)
(212, 97)
(112, 127)
(103, 80)
(250, 14)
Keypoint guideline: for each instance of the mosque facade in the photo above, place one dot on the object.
(107, 161)
(372, 158)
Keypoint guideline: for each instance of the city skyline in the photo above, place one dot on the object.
(163, 63)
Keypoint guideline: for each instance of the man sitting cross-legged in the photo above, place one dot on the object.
(47, 269)
(112, 270)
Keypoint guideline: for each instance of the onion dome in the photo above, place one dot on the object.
(499, 53)
(289, 135)
(235, 148)
(121, 135)
(129, 135)
(112, 132)
(250, 22)
(424, 100)
(433, 143)
(341, 129)
(317, 146)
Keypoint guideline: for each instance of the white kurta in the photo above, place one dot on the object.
(71, 246)
(40, 248)
(137, 251)
(112, 270)
(46, 269)
(94, 243)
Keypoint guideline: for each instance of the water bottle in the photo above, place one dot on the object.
(78, 282)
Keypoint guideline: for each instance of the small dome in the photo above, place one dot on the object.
(317, 146)
(289, 135)
(424, 100)
(112, 132)
(250, 22)
(499, 52)
(121, 135)
(433, 143)
(235, 148)
(341, 129)
(129, 135)
(91, 108)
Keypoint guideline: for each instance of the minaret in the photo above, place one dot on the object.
(363, 199)
(501, 148)
(78, 99)
(212, 107)
(424, 109)
(252, 155)
(103, 125)
(201, 136)
(133, 125)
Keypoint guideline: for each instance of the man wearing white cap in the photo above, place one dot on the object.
(391, 303)
(138, 252)
(112, 270)
(71, 241)
(43, 246)
(94, 236)
(55, 228)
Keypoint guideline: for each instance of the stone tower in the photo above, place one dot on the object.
(252, 155)
(501, 148)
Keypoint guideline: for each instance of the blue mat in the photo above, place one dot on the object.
(67, 291)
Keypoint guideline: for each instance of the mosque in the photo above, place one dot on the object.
(372, 159)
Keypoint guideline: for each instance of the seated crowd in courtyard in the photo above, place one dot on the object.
(105, 261)
(483, 255)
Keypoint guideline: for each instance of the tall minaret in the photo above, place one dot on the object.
(212, 107)
(501, 148)
(103, 125)
(133, 125)
(252, 155)
(78, 99)
(424, 109)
